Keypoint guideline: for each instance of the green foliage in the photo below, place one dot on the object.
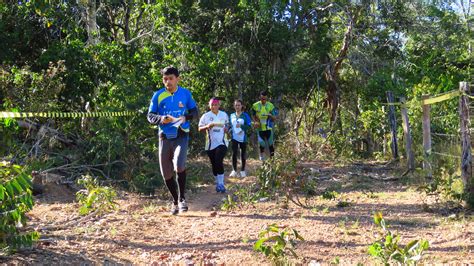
(276, 172)
(388, 251)
(16, 200)
(95, 198)
(276, 243)
(447, 184)
(330, 195)
(241, 195)
(229, 203)
(343, 204)
(231, 49)
(280, 174)
(144, 184)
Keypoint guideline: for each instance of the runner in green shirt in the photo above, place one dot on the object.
(264, 114)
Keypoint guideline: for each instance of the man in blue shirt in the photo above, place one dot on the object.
(171, 108)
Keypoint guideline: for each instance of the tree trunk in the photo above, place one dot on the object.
(332, 70)
(126, 33)
(91, 21)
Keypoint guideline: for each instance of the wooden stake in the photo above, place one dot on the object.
(393, 124)
(427, 138)
(466, 157)
(407, 133)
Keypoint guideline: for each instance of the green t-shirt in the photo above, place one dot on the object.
(262, 112)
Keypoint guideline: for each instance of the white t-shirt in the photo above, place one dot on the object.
(216, 135)
(237, 133)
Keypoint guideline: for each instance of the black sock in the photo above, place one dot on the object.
(171, 184)
(182, 184)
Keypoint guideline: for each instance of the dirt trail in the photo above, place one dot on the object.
(143, 232)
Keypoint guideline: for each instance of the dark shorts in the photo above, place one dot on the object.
(172, 154)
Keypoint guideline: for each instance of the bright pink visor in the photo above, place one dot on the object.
(214, 101)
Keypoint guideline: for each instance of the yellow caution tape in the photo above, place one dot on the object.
(64, 115)
(469, 96)
(443, 97)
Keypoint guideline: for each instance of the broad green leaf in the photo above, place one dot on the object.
(23, 180)
(9, 189)
(425, 244)
(2, 192)
(16, 186)
(374, 249)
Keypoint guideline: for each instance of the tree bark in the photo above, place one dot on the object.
(91, 21)
(332, 70)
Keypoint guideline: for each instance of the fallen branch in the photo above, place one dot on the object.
(73, 166)
(71, 223)
(384, 179)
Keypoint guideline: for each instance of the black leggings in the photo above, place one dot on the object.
(217, 159)
(235, 152)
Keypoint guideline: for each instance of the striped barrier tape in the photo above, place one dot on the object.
(64, 114)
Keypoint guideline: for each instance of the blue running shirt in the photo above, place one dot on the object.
(176, 105)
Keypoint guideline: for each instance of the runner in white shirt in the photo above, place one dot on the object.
(216, 125)
(241, 123)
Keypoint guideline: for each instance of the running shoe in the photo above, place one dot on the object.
(182, 206)
(174, 209)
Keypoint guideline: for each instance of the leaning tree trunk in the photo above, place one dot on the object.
(332, 70)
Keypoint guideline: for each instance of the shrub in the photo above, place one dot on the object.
(276, 242)
(95, 198)
(16, 200)
(388, 251)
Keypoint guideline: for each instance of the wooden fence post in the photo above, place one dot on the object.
(466, 157)
(407, 133)
(384, 127)
(393, 124)
(426, 137)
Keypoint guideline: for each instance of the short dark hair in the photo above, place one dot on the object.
(169, 70)
(264, 93)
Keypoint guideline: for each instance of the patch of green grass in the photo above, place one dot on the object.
(347, 229)
(330, 195)
(151, 208)
(113, 232)
(343, 204)
(325, 210)
(371, 195)
(136, 216)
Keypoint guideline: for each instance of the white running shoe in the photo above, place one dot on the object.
(182, 206)
(233, 174)
(243, 174)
